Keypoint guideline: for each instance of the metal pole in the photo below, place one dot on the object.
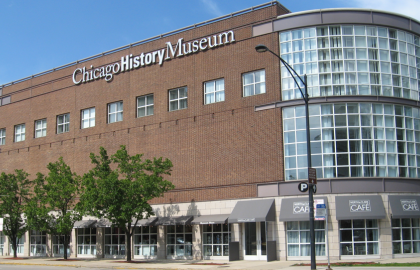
(311, 192)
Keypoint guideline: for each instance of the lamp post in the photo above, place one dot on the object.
(262, 48)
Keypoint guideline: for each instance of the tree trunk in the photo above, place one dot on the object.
(65, 244)
(14, 246)
(128, 244)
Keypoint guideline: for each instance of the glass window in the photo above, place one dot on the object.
(178, 99)
(253, 83)
(20, 133)
(58, 245)
(38, 245)
(40, 128)
(88, 118)
(86, 241)
(115, 112)
(405, 236)
(2, 136)
(298, 238)
(179, 241)
(214, 91)
(145, 241)
(392, 47)
(114, 241)
(333, 129)
(216, 238)
(19, 247)
(359, 237)
(63, 123)
(145, 105)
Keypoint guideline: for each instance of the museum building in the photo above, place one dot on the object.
(232, 121)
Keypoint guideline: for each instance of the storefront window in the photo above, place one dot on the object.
(58, 246)
(145, 241)
(19, 247)
(359, 237)
(114, 241)
(405, 236)
(38, 243)
(216, 238)
(86, 241)
(179, 240)
(298, 238)
(1, 244)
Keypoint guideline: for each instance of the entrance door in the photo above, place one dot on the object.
(255, 245)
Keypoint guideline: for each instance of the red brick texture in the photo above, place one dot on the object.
(219, 151)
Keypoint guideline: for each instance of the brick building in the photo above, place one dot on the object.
(230, 120)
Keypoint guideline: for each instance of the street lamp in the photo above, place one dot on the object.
(262, 48)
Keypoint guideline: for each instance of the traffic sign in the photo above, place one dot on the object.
(312, 176)
(314, 188)
(320, 212)
(303, 186)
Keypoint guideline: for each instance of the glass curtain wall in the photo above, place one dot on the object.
(352, 60)
(353, 140)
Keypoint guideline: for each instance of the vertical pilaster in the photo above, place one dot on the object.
(161, 243)
(197, 243)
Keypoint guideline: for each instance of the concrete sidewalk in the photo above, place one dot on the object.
(182, 264)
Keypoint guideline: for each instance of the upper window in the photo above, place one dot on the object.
(145, 105)
(40, 128)
(20, 133)
(178, 99)
(214, 91)
(351, 60)
(254, 83)
(63, 123)
(2, 136)
(88, 118)
(115, 112)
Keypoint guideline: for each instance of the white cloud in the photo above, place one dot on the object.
(406, 7)
(213, 8)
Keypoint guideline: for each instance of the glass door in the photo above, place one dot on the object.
(255, 243)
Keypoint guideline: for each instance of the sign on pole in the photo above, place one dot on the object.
(303, 187)
(320, 211)
(312, 176)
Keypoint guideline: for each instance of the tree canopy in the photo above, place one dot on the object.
(122, 195)
(14, 194)
(54, 208)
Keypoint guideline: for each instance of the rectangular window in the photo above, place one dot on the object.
(214, 91)
(114, 242)
(216, 239)
(145, 241)
(145, 105)
(88, 118)
(86, 241)
(178, 241)
(63, 123)
(40, 128)
(359, 237)
(298, 238)
(178, 99)
(2, 136)
(405, 236)
(115, 112)
(20, 133)
(254, 83)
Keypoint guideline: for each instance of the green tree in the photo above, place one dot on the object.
(14, 193)
(54, 208)
(121, 195)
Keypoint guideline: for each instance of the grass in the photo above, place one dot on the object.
(372, 264)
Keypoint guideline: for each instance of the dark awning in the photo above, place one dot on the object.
(182, 220)
(359, 207)
(297, 209)
(253, 211)
(102, 223)
(145, 222)
(404, 206)
(211, 219)
(84, 223)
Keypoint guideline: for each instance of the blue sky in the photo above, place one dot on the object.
(36, 36)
